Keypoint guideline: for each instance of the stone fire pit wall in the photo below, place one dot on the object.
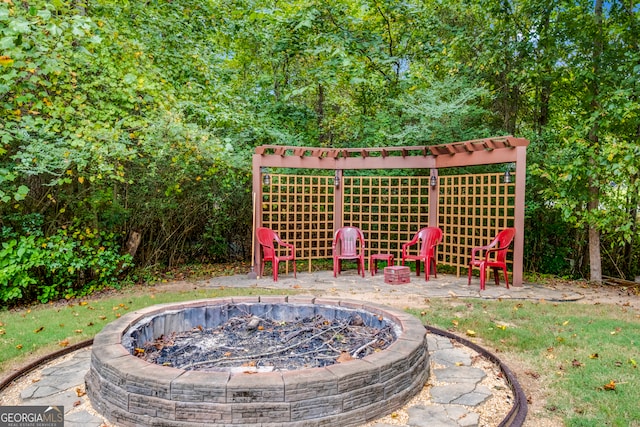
(129, 391)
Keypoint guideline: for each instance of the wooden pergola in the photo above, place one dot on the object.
(486, 151)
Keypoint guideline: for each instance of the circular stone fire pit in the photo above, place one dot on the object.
(130, 391)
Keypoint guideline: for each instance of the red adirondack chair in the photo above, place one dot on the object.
(266, 238)
(495, 255)
(348, 243)
(430, 238)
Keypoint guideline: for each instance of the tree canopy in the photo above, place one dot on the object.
(121, 116)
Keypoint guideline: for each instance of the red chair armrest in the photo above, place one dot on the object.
(490, 250)
(474, 251)
(409, 243)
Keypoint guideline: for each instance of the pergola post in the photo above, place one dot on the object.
(518, 215)
(338, 200)
(434, 196)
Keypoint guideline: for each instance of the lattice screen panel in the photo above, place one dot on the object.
(388, 210)
(472, 210)
(300, 209)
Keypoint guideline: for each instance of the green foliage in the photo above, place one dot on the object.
(72, 262)
(142, 117)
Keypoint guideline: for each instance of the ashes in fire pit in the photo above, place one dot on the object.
(386, 368)
(251, 343)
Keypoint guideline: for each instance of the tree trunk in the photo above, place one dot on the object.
(322, 135)
(595, 260)
(633, 214)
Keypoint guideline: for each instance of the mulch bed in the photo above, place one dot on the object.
(255, 344)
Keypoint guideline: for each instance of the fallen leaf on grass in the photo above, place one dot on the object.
(611, 386)
(633, 363)
(593, 356)
(63, 343)
(471, 333)
(40, 329)
(532, 374)
(19, 346)
(576, 363)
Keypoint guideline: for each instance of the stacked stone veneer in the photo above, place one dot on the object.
(129, 391)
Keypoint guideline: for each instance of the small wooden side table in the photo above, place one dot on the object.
(373, 261)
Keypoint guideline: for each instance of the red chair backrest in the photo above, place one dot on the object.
(430, 237)
(266, 236)
(504, 239)
(348, 237)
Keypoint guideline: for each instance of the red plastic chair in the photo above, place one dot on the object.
(345, 246)
(495, 255)
(430, 238)
(267, 237)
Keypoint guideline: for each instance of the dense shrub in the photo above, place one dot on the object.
(71, 262)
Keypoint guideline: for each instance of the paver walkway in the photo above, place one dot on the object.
(453, 399)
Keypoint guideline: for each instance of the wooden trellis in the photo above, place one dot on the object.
(301, 210)
(389, 211)
(470, 209)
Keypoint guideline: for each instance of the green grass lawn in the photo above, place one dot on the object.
(585, 355)
(42, 329)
